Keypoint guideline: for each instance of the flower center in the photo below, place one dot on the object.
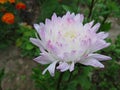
(70, 35)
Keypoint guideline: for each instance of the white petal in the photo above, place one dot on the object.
(72, 67)
(99, 44)
(54, 16)
(77, 17)
(92, 62)
(35, 41)
(38, 43)
(96, 27)
(68, 13)
(89, 25)
(102, 35)
(100, 57)
(63, 66)
(47, 21)
(51, 68)
(81, 18)
(43, 59)
(37, 27)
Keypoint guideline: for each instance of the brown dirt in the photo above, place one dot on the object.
(17, 70)
(115, 29)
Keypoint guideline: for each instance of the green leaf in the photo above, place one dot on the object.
(106, 26)
(67, 8)
(1, 74)
(18, 42)
(85, 78)
(29, 46)
(48, 8)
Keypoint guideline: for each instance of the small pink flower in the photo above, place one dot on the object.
(66, 41)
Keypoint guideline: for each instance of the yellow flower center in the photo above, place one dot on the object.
(70, 35)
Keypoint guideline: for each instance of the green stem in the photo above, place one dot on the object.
(105, 18)
(59, 81)
(71, 73)
(78, 2)
(91, 9)
(0, 87)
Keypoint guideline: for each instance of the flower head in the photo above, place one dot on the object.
(66, 41)
(3, 1)
(11, 1)
(8, 18)
(20, 5)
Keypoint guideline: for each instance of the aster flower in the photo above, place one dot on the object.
(8, 18)
(66, 41)
(3, 1)
(11, 1)
(20, 6)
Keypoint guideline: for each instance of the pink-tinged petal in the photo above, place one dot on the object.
(73, 14)
(102, 35)
(95, 27)
(42, 24)
(100, 44)
(36, 42)
(99, 57)
(52, 47)
(43, 59)
(68, 13)
(54, 17)
(92, 62)
(51, 68)
(40, 30)
(37, 27)
(69, 17)
(42, 34)
(77, 17)
(86, 43)
(88, 25)
(47, 21)
(72, 67)
(81, 18)
(63, 66)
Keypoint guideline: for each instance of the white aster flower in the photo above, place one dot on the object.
(66, 41)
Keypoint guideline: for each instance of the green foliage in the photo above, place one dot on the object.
(44, 82)
(1, 74)
(8, 31)
(23, 42)
(48, 7)
(109, 78)
(68, 83)
(8, 35)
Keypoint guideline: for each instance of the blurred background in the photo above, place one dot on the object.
(17, 69)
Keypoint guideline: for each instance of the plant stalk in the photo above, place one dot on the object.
(71, 73)
(59, 81)
(91, 9)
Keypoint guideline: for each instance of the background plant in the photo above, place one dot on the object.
(8, 24)
(1, 76)
(25, 32)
